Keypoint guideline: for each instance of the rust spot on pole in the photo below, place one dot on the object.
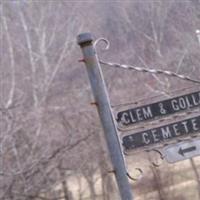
(81, 60)
(94, 103)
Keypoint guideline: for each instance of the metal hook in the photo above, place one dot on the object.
(135, 179)
(140, 170)
(102, 40)
(161, 157)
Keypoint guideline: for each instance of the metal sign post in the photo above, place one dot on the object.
(107, 118)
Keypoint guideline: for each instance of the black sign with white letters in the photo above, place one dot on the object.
(165, 133)
(158, 109)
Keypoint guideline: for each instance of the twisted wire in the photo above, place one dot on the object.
(152, 71)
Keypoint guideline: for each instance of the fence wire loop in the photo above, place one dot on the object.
(105, 41)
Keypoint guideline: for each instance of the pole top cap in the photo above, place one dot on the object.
(84, 38)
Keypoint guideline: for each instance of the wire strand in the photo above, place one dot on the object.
(152, 71)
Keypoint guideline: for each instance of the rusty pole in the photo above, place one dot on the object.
(105, 113)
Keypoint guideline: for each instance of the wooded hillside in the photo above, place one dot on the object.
(51, 141)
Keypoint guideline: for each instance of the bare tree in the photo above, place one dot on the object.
(49, 130)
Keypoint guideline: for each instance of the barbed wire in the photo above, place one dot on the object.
(152, 71)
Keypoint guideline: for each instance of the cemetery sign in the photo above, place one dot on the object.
(158, 109)
(160, 134)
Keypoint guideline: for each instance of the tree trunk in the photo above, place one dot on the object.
(67, 195)
(197, 177)
(91, 187)
(107, 186)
